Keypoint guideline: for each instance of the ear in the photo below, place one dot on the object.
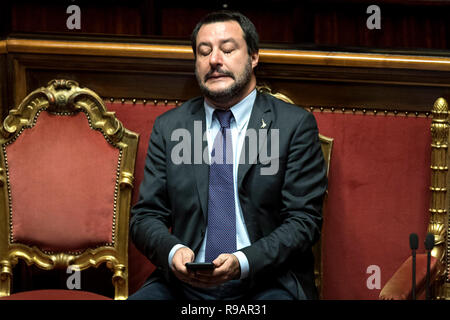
(255, 59)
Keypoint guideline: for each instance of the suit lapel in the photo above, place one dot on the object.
(260, 119)
(201, 168)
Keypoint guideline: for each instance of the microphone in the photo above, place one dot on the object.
(413, 244)
(429, 245)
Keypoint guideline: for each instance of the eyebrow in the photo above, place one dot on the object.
(229, 40)
(204, 43)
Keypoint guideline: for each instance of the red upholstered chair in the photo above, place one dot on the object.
(327, 146)
(399, 286)
(66, 176)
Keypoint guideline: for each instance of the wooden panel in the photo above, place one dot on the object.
(312, 23)
(184, 52)
(379, 97)
(5, 22)
(101, 18)
(402, 26)
(150, 71)
(126, 85)
(108, 76)
(99, 49)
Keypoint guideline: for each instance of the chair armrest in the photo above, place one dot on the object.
(399, 285)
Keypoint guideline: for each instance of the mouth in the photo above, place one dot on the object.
(218, 75)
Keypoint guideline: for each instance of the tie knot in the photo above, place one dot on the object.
(224, 117)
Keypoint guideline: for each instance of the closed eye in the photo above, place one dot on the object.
(204, 50)
(228, 51)
(228, 47)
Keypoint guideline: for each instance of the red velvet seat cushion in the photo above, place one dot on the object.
(55, 294)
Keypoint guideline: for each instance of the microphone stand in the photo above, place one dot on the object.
(428, 276)
(413, 274)
(414, 244)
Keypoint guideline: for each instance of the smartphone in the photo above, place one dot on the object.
(200, 266)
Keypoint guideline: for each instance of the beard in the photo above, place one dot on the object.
(225, 95)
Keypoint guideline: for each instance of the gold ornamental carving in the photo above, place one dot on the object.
(63, 97)
(66, 97)
(439, 203)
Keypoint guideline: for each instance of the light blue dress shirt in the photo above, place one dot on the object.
(241, 113)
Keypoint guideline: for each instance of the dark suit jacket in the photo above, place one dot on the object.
(282, 211)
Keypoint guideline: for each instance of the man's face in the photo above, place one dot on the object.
(223, 67)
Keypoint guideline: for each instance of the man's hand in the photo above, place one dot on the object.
(227, 268)
(180, 258)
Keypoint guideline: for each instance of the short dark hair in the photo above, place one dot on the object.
(250, 34)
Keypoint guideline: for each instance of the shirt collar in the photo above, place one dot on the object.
(241, 111)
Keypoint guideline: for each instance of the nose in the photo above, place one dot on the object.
(216, 58)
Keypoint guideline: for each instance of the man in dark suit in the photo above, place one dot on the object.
(213, 192)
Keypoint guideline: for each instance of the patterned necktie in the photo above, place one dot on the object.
(221, 236)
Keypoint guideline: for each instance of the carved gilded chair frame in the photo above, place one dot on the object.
(327, 145)
(439, 204)
(65, 97)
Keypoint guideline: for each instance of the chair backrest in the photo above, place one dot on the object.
(66, 178)
(440, 197)
(327, 146)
